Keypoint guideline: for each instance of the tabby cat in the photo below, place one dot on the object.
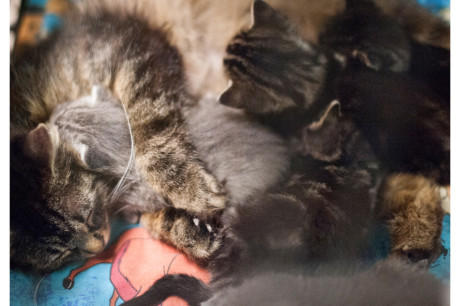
(49, 183)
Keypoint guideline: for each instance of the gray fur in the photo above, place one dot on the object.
(385, 284)
(244, 155)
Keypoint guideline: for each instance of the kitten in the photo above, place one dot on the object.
(144, 72)
(48, 179)
(364, 33)
(244, 155)
(320, 217)
(408, 131)
(389, 283)
(274, 74)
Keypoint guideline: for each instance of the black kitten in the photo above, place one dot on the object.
(365, 34)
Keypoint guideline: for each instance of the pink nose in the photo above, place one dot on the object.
(95, 243)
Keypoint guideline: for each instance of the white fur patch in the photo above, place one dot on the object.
(82, 149)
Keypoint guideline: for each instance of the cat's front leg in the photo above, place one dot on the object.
(167, 159)
(198, 239)
(168, 162)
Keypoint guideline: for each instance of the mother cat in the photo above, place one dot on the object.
(119, 50)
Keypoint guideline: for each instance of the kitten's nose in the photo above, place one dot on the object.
(95, 243)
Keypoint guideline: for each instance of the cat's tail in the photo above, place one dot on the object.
(187, 287)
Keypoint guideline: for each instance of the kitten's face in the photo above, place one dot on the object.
(270, 67)
(57, 204)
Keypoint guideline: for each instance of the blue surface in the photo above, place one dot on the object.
(92, 288)
(441, 267)
(435, 5)
(380, 248)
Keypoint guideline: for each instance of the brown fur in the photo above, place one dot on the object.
(411, 205)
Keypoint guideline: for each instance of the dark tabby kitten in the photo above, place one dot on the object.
(272, 70)
(143, 71)
(364, 33)
(395, 126)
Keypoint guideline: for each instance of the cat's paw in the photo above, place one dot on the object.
(199, 239)
(212, 199)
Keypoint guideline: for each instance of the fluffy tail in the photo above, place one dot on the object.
(188, 288)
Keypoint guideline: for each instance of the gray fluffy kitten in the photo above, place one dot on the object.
(243, 154)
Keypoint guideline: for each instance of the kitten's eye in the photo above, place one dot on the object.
(64, 255)
(89, 220)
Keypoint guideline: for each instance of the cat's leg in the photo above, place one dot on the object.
(411, 205)
(163, 151)
(197, 239)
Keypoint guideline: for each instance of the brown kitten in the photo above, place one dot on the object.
(136, 62)
(411, 206)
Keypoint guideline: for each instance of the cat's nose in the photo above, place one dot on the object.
(95, 243)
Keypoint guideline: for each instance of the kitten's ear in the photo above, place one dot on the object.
(41, 144)
(332, 111)
(263, 15)
(232, 97)
(98, 93)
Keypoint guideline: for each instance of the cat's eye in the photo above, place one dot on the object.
(89, 220)
(64, 255)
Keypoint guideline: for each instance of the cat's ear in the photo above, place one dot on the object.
(41, 144)
(233, 96)
(332, 111)
(263, 15)
(98, 93)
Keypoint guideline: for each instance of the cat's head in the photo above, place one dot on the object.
(271, 69)
(57, 212)
(364, 35)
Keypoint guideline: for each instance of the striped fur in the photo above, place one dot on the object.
(57, 204)
(271, 68)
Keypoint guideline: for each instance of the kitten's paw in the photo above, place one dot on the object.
(411, 205)
(204, 197)
(197, 238)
